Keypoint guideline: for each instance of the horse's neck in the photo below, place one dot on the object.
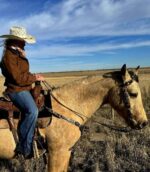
(84, 96)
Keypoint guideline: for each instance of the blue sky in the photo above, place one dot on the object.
(81, 34)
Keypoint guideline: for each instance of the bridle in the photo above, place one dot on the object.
(126, 97)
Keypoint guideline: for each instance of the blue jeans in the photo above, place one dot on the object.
(25, 102)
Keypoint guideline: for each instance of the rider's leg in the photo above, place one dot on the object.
(25, 102)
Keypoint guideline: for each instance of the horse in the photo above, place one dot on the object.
(77, 101)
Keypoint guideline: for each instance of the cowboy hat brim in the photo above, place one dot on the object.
(29, 39)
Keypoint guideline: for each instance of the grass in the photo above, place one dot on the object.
(101, 149)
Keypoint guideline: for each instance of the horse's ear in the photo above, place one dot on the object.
(123, 69)
(136, 71)
(125, 74)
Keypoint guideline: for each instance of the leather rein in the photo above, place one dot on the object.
(125, 99)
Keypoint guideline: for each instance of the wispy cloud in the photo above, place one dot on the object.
(82, 50)
(94, 18)
(79, 28)
(85, 17)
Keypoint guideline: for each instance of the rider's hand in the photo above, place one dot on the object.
(21, 51)
(39, 77)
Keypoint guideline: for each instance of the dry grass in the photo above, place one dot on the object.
(101, 149)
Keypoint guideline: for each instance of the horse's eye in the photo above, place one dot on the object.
(133, 95)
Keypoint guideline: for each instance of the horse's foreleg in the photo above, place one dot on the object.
(58, 160)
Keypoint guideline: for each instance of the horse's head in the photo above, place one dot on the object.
(125, 98)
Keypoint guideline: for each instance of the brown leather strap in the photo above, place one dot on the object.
(12, 125)
(11, 119)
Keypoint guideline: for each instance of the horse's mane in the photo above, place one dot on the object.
(79, 81)
(115, 75)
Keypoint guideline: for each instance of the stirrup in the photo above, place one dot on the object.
(36, 152)
(6, 97)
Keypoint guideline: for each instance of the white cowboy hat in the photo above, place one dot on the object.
(19, 33)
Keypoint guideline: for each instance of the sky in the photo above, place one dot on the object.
(75, 35)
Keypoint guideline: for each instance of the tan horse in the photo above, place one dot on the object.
(119, 89)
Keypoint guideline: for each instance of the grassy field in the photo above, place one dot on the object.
(101, 149)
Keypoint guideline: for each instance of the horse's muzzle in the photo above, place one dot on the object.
(142, 125)
(138, 125)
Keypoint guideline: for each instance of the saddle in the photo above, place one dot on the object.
(11, 115)
(11, 112)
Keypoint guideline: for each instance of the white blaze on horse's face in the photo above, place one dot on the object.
(129, 104)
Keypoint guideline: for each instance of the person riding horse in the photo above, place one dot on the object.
(18, 82)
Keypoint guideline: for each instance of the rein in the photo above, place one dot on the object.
(120, 129)
(125, 98)
(76, 123)
(76, 113)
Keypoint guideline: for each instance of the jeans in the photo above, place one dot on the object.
(26, 104)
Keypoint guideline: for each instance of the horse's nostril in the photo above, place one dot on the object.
(143, 124)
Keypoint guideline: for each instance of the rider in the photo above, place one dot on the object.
(18, 82)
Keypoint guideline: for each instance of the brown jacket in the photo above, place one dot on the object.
(16, 71)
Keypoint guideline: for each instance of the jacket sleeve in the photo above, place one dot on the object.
(13, 69)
